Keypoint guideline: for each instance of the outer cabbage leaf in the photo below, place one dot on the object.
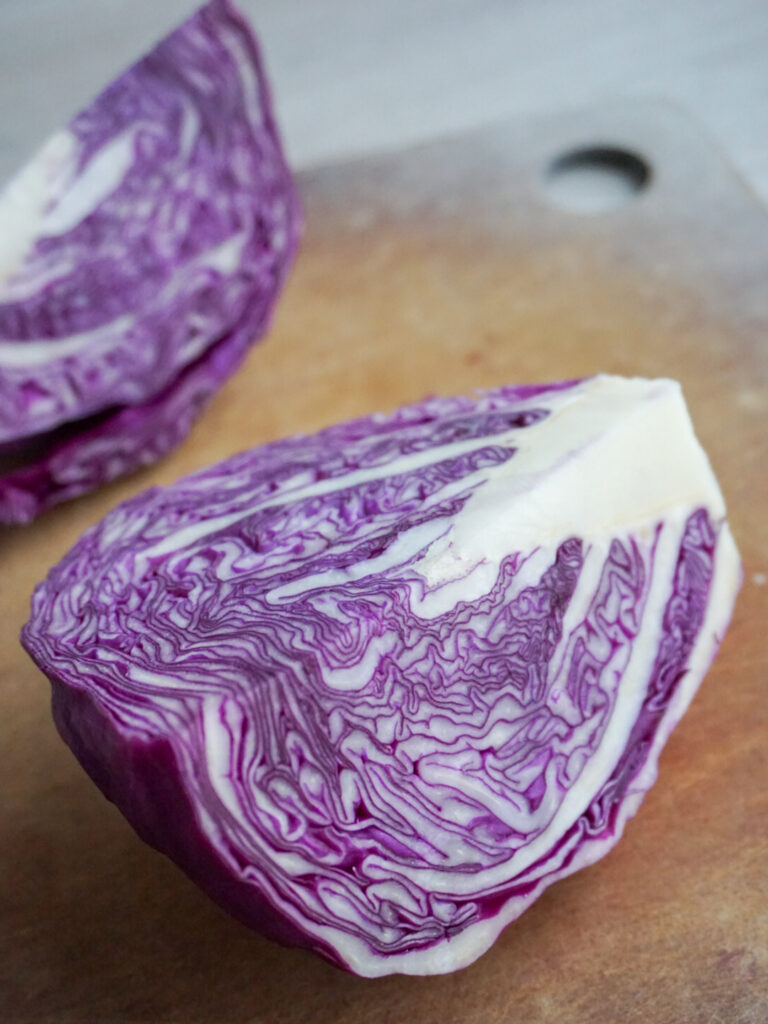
(376, 688)
(141, 253)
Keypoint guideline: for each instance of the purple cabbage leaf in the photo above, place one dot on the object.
(141, 254)
(377, 688)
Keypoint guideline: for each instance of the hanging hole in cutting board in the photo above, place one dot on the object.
(594, 179)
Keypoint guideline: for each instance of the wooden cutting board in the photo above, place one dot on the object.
(441, 269)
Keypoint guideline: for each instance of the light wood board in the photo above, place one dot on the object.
(437, 270)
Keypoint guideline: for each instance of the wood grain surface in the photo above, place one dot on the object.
(437, 270)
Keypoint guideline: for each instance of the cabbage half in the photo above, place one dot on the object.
(141, 254)
(375, 689)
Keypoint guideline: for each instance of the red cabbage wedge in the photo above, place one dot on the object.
(141, 254)
(376, 688)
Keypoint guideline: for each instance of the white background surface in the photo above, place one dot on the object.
(351, 77)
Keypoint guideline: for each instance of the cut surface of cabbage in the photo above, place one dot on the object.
(141, 254)
(376, 688)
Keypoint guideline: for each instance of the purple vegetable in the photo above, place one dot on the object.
(375, 689)
(141, 254)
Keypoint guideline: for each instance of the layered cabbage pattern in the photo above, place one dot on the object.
(376, 742)
(143, 251)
